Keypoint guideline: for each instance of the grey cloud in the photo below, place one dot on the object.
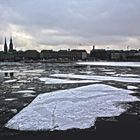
(76, 21)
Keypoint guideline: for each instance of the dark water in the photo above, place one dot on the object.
(26, 76)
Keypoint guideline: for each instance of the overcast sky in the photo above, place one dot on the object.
(75, 24)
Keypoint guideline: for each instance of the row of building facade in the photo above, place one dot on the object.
(114, 55)
(10, 54)
(63, 55)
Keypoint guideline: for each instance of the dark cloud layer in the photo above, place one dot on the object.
(46, 24)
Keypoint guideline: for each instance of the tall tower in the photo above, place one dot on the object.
(11, 45)
(5, 46)
(93, 47)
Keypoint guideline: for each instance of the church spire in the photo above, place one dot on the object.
(11, 45)
(5, 46)
(11, 39)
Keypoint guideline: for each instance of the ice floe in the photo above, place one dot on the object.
(9, 71)
(10, 64)
(28, 95)
(16, 87)
(100, 78)
(73, 108)
(24, 91)
(132, 87)
(10, 81)
(31, 88)
(110, 73)
(106, 70)
(115, 64)
(34, 71)
(64, 81)
(23, 81)
(14, 110)
(10, 99)
(86, 72)
(128, 75)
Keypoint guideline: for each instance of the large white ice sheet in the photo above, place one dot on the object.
(100, 78)
(73, 108)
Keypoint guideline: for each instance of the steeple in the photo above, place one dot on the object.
(11, 45)
(5, 46)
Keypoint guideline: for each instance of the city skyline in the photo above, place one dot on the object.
(59, 24)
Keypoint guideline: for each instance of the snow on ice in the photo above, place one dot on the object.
(132, 87)
(100, 78)
(10, 99)
(114, 64)
(72, 108)
(128, 75)
(9, 71)
(10, 81)
(28, 95)
(33, 71)
(64, 81)
(16, 87)
(24, 91)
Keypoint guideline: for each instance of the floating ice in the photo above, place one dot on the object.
(100, 78)
(10, 99)
(23, 81)
(115, 64)
(28, 95)
(73, 108)
(15, 87)
(14, 110)
(34, 71)
(31, 88)
(9, 71)
(10, 81)
(86, 72)
(132, 87)
(106, 70)
(64, 81)
(10, 64)
(127, 75)
(24, 91)
(110, 73)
